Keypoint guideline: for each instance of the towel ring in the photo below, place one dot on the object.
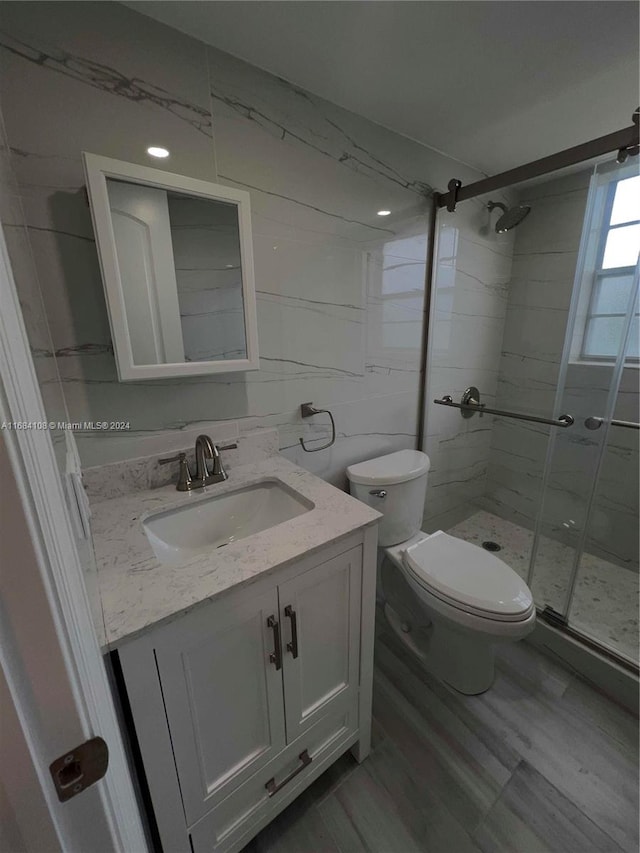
(307, 410)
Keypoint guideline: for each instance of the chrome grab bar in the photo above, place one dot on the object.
(470, 404)
(596, 423)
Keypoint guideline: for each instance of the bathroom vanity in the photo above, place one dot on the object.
(246, 664)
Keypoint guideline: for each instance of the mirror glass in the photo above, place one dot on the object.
(180, 271)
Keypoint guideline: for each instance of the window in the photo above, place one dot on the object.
(398, 289)
(614, 276)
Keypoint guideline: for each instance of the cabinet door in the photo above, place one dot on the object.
(320, 615)
(222, 694)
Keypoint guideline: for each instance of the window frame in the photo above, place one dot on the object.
(601, 274)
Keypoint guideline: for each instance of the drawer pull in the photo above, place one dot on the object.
(271, 786)
(293, 645)
(276, 655)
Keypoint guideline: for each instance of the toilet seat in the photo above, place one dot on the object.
(467, 578)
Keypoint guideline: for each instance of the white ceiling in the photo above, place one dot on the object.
(494, 84)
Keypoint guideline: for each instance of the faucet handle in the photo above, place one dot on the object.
(218, 467)
(184, 478)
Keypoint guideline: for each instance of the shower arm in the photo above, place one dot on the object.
(470, 404)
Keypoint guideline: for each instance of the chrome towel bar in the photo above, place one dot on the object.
(470, 404)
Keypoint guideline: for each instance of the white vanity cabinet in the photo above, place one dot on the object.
(239, 704)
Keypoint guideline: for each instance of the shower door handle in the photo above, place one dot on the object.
(595, 423)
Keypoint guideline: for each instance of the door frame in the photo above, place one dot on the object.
(61, 578)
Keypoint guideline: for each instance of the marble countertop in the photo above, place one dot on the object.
(137, 591)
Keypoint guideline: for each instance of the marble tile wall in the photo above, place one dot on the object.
(469, 306)
(544, 264)
(613, 531)
(29, 285)
(16, 235)
(339, 288)
(579, 459)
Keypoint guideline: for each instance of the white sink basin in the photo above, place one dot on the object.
(177, 534)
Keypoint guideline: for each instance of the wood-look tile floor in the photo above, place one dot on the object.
(541, 762)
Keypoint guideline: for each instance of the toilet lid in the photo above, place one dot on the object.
(398, 467)
(468, 577)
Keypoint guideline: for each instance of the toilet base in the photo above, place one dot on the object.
(415, 639)
(462, 661)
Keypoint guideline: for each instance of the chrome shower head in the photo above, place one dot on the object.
(511, 216)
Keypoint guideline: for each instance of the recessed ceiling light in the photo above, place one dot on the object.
(156, 151)
(384, 212)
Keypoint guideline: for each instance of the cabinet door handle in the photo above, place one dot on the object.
(276, 655)
(271, 786)
(293, 645)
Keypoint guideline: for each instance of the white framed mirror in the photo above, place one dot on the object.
(176, 256)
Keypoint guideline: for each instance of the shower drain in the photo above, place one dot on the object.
(491, 546)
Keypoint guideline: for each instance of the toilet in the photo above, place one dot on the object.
(449, 601)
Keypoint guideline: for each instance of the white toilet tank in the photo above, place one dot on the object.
(401, 481)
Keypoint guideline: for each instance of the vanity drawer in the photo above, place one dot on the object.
(225, 828)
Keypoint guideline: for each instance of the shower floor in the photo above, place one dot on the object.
(605, 602)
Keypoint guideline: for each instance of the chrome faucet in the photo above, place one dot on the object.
(205, 450)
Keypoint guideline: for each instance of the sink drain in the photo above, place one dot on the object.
(491, 546)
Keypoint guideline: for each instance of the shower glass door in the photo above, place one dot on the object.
(604, 597)
(584, 566)
(543, 320)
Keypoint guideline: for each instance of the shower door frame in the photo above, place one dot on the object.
(627, 143)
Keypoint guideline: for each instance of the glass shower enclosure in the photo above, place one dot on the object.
(542, 321)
